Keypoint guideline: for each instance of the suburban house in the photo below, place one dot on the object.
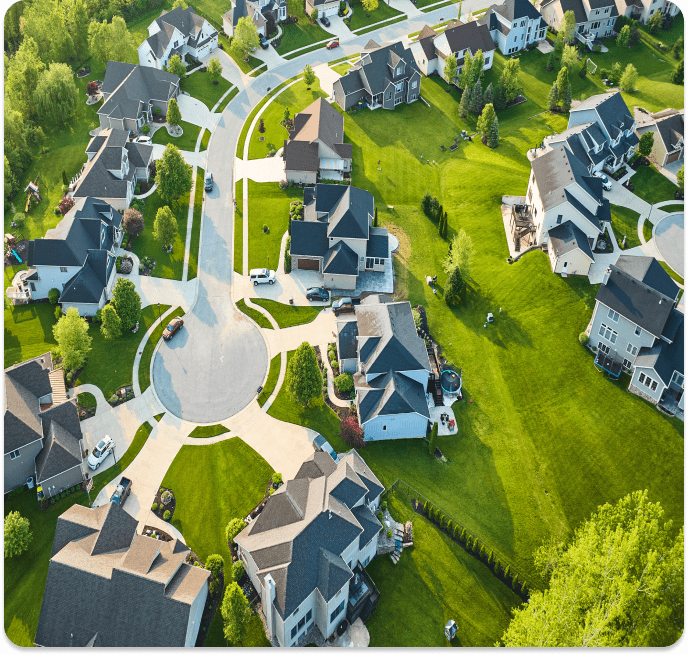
(178, 32)
(316, 145)
(636, 328)
(431, 49)
(131, 94)
(336, 237)
(595, 19)
(42, 430)
(514, 25)
(641, 10)
(385, 76)
(77, 258)
(260, 12)
(142, 591)
(307, 550)
(325, 7)
(113, 168)
(668, 128)
(569, 250)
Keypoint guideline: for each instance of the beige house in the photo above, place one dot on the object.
(595, 19)
(641, 10)
(325, 8)
(668, 128)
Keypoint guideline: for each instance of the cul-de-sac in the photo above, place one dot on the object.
(344, 323)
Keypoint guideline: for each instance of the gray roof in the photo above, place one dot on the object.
(567, 237)
(347, 345)
(322, 122)
(576, 6)
(349, 216)
(611, 110)
(641, 291)
(371, 526)
(87, 285)
(378, 243)
(185, 20)
(308, 238)
(469, 35)
(320, 464)
(340, 260)
(301, 156)
(663, 357)
(138, 600)
(670, 130)
(426, 39)
(390, 395)
(61, 449)
(514, 9)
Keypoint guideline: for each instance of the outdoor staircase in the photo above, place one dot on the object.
(57, 384)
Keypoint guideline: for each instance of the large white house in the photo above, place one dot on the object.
(594, 18)
(306, 551)
(178, 32)
(261, 13)
(514, 25)
(641, 10)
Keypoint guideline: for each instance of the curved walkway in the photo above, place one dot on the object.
(102, 404)
(330, 380)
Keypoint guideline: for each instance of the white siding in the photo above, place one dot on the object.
(52, 277)
(195, 614)
(398, 426)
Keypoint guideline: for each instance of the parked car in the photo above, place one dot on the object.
(262, 276)
(121, 493)
(322, 445)
(318, 293)
(325, 21)
(100, 452)
(208, 182)
(143, 139)
(264, 43)
(345, 305)
(606, 184)
(173, 327)
(332, 44)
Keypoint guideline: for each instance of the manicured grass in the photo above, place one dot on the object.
(200, 86)
(205, 139)
(268, 205)
(317, 416)
(435, 580)
(86, 399)
(374, 28)
(259, 71)
(159, 416)
(361, 18)
(245, 66)
(196, 227)
(647, 230)
(207, 431)
(650, 185)
(144, 365)
(255, 634)
(625, 223)
(227, 100)
(288, 315)
(439, 6)
(672, 273)
(301, 34)
(254, 314)
(239, 227)
(341, 68)
(111, 362)
(671, 209)
(187, 140)
(297, 97)
(271, 382)
(167, 265)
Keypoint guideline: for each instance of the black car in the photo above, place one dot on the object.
(264, 43)
(318, 293)
(325, 21)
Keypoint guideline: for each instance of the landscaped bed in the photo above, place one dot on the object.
(288, 315)
(164, 504)
(144, 364)
(254, 314)
(271, 382)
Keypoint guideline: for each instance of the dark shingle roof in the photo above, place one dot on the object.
(308, 238)
(350, 216)
(88, 283)
(670, 129)
(576, 6)
(513, 9)
(612, 111)
(185, 20)
(321, 121)
(649, 271)
(371, 526)
(663, 357)
(61, 448)
(390, 394)
(340, 260)
(365, 474)
(469, 35)
(320, 464)
(344, 485)
(567, 237)
(347, 346)
(301, 156)
(378, 243)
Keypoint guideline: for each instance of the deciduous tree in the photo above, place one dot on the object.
(21, 79)
(181, 5)
(628, 79)
(303, 379)
(369, 5)
(569, 57)
(655, 22)
(679, 178)
(677, 77)
(308, 75)
(236, 613)
(647, 140)
(351, 432)
(509, 79)
(56, 94)
(622, 39)
(176, 67)
(45, 21)
(568, 26)
(450, 68)
(485, 121)
(165, 226)
(73, 342)
(111, 326)
(246, 39)
(126, 302)
(18, 535)
(132, 221)
(173, 175)
(461, 253)
(112, 42)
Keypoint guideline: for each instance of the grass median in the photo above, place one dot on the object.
(196, 227)
(254, 314)
(144, 365)
(288, 315)
(207, 431)
(271, 382)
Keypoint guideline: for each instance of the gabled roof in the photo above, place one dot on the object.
(308, 238)
(469, 35)
(663, 357)
(347, 344)
(426, 40)
(61, 449)
(88, 283)
(350, 216)
(301, 156)
(648, 271)
(670, 130)
(567, 237)
(576, 6)
(340, 260)
(319, 121)
(611, 110)
(186, 21)
(515, 9)
(390, 395)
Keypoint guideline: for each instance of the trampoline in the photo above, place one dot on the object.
(450, 381)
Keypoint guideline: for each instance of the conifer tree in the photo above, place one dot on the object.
(493, 134)
(488, 98)
(464, 103)
(553, 98)
(476, 98)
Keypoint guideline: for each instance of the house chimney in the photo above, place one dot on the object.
(607, 273)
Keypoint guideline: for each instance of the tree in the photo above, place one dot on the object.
(126, 302)
(112, 42)
(550, 62)
(677, 75)
(569, 56)
(655, 22)
(369, 5)
(678, 48)
(173, 175)
(432, 443)
(45, 21)
(215, 564)
(563, 87)
(622, 39)
(182, 5)
(17, 534)
(71, 334)
(174, 116)
(455, 286)
(461, 253)
(132, 222)
(568, 26)
(450, 68)
(286, 116)
(485, 121)
(629, 78)
(647, 140)
(237, 571)
(77, 21)
(9, 179)
(634, 35)
(304, 380)
(679, 178)
(584, 68)
(618, 583)
(236, 613)
(615, 73)
(246, 39)
(92, 88)
(308, 75)
(351, 432)
(566, 99)
(21, 79)
(509, 79)
(493, 134)
(476, 98)
(488, 96)
(425, 203)
(234, 527)
(499, 97)
(165, 226)
(477, 64)
(176, 67)
(111, 327)
(465, 102)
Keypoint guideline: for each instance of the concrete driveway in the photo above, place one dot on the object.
(268, 169)
(669, 240)
(196, 112)
(327, 78)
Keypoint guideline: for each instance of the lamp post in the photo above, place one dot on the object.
(158, 312)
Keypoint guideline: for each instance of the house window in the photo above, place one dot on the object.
(367, 559)
(302, 622)
(293, 632)
(603, 347)
(384, 427)
(595, 25)
(613, 315)
(399, 70)
(14, 454)
(33, 286)
(414, 84)
(309, 615)
(559, 219)
(400, 87)
(337, 612)
(63, 269)
(638, 331)
(389, 95)
(607, 333)
(641, 378)
(626, 364)
(630, 348)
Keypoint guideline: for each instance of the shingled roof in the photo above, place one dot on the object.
(472, 36)
(185, 20)
(390, 395)
(665, 358)
(567, 237)
(612, 111)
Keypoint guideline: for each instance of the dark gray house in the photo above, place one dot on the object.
(138, 591)
(306, 552)
(42, 431)
(385, 76)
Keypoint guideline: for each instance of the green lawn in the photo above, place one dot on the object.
(268, 205)
(255, 634)
(87, 400)
(625, 222)
(297, 97)
(259, 71)
(254, 314)
(200, 86)
(205, 140)
(196, 227)
(245, 66)
(207, 431)
(301, 34)
(673, 274)
(288, 315)
(361, 18)
(317, 416)
(239, 227)
(167, 265)
(144, 365)
(106, 354)
(650, 185)
(439, 6)
(341, 68)
(227, 100)
(647, 230)
(159, 416)
(435, 580)
(670, 209)
(374, 28)
(187, 140)
(271, 382)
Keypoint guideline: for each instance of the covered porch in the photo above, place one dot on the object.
(20, 291)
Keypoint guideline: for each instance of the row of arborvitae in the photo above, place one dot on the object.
(435, 212)
(472, 544)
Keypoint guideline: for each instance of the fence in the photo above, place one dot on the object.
(408, 491)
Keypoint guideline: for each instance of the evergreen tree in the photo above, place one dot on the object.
(236, 613)
(514, 580)
(456, 532)
(425, 203)
(584, 68)
(450, 526)
(455, 286)
(476, 98)
(647, 140)
(488, 98)
(677, 75)
(499, 98)
(464, 103)
(65, 181)
(432, 444)
(550, 62)
(463, 535)
(493, 134)
(566, 100)
(553, 97)
(174, 116)
(425, 507)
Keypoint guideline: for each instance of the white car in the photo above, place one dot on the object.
(606, 184)
(100, 452)
(143, 139)
(262, 276)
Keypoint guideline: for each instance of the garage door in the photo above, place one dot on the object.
(673, 157)
(330, 11)
(309, 264)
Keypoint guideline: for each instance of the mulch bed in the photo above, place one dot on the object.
(641, 161)
(517, 101)
(46, 503)
(162, 508)
(163, 535)
(86, 70)
(145, 187)
(85, 412)
(123, 395)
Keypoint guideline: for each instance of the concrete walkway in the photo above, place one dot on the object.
(268, 169)
(327, 78)
(280, 381)
(102, 404)
(316, 332)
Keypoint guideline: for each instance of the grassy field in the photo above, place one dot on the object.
(625, 222)
(254, 314)
(362, 19)
(200, 86)
(239, 227)
(207, 431)
(187, 140)
(297, 97)
(650, 185)
(255, 634)
(268, 205)
(167, 265)
(227, 100)
(196, 227)
(301, 34)
(288, 315)
(144, 365)
(271, 382)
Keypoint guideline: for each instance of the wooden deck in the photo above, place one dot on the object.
(58, 387)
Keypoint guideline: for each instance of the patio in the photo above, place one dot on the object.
(436, 414)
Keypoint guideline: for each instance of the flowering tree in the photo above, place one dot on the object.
(92, 88)
(351, 432)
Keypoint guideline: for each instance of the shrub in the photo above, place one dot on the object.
(58, 312)
(383, 505)
(506, 571)
(277, 478)
(490, 557)
(524, 590)
(237, 571)
(69, 377)
(497, 565)
(53, 296)
(482, 550)
(113, 399)
(583, 339)
(475, 545)
(166, 498)
(389, 534)
(331, 356)
(456, 532)
(425, 507)
(344, 382)
(154, 507)
(450, 526)
(271, 491)
(234, 527)
(146, 129)
(469, 541)
(380, 516)
(513, 582)
(215, 564)
(167, 515)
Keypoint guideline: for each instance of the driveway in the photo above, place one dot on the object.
(268, 169)
(327, 78)
(196, 112)
(669, 240)
(194, 158)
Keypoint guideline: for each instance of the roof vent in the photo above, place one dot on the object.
(660, 301)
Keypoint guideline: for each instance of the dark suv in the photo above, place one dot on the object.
(317, 293)
(264, 43)
(325, 21)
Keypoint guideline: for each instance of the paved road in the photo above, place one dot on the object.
(669, 240)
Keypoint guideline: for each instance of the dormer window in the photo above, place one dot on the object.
(399, 70)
